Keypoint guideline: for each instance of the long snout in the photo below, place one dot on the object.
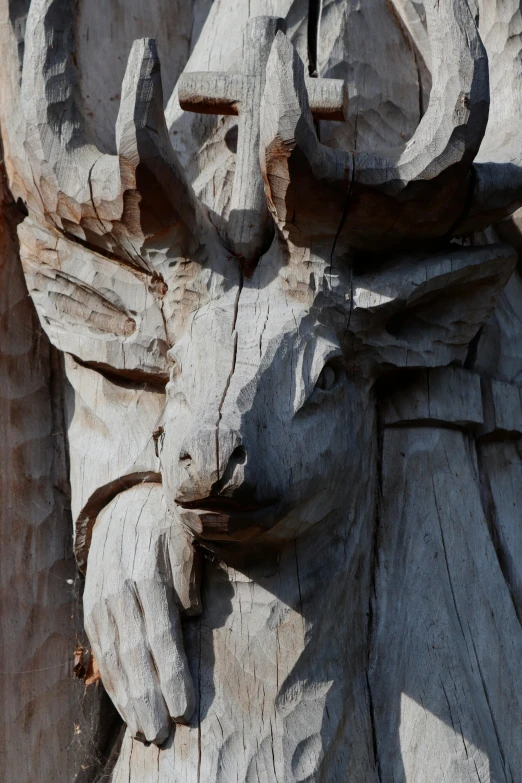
(212, 462)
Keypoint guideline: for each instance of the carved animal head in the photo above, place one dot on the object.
(269, 417)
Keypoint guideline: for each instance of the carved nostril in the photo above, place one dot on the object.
(185, 458)
(238, 456)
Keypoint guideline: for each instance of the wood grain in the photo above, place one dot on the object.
(294, 384)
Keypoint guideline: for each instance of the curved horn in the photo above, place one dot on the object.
(498, 168)
(157, 196)
(70, 182)
(415, 191)
(116, 201)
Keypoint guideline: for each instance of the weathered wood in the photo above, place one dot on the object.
(231, 359)
(173, 25)
(451, 395)
(357, 44)
(190, 472)
(112, 443)
(271, 703)
(82, 192)
(498, 171)
(445, 641)
(399, 314)
(249, 230)
(52, 728)
(224, 93)
(149, 580)
(106, 314)
(501, 467)
(458, 109)
(502, 410)
(39, 700)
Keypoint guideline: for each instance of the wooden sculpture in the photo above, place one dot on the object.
(294, 369)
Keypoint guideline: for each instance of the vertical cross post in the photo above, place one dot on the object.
(250, 226)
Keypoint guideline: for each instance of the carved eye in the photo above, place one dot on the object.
(329, 377)
(158, 436)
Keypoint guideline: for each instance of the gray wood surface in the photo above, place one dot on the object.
(40, 702)
(293, 351)
(445, 660)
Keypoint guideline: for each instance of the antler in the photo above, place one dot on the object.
(115, 201)
(415, 192)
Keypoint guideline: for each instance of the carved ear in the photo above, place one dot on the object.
(423, 311)
(112, 255)
(111, 315)
(97, 309)
(136, 204)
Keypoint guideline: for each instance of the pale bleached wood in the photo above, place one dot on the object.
(238, 336)
(103, 313)
(169, 23)
(242, 338)
(223, 93)
(415, 24)
(449, 135)
(363, 45)
(267, 446)
(250, 228)
(86, 193)
(359, 43)
(111, 425)
(498, 182)
(148, 580)
(399, 314)
(220, 49)
(271, 703)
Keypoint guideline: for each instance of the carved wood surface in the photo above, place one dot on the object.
(39, 700)
(293, 351)
(445, 654)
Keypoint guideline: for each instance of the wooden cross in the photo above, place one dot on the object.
(240, 94)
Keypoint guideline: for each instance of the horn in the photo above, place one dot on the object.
(415, 192)
(497, 190)
(117, 202)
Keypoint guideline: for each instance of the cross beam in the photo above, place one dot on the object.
(224, 93)
(249, 227)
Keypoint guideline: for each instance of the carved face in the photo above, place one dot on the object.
(265, 428)
(111, 241)
(269, 405)
(269, 415)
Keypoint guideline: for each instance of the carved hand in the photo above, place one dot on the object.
(140, 578)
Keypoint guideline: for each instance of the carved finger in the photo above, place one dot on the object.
(166, 644)
(185, 567)
(161, 546)
(102, 630)
(131, 658)
(103, 578)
